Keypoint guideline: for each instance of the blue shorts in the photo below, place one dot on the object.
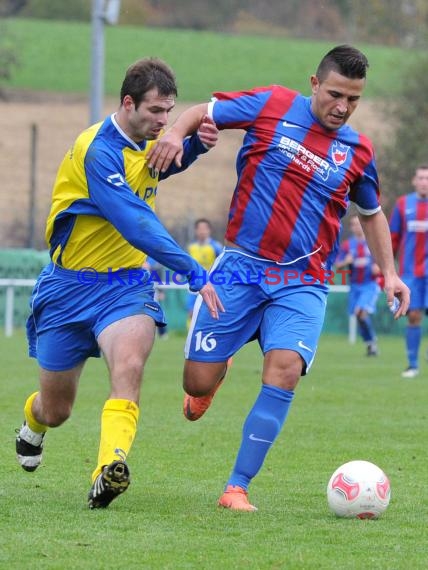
(363, 296)
(286, 315)
(190, 301)
(418, 292)
(67, 316)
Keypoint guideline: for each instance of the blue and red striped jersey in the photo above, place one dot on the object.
(409, 232)
(295, 178)
(362, 261)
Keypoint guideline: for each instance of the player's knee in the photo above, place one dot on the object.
(414, 318)
(285, 382)
(198, 384)
(285, 378)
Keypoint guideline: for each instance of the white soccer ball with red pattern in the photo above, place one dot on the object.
(358, 489)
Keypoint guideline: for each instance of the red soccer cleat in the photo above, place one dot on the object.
(236, 499)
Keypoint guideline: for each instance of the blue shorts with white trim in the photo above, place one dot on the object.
(68, 313)
(280, 313)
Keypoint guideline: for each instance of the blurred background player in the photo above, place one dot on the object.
(354, 253)
(204, 249)
(409, 232)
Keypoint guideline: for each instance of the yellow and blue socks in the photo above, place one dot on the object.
(118, 428)
(261, 428)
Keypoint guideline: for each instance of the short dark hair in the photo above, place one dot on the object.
(344, 59)
(202, 221)
(147, 74)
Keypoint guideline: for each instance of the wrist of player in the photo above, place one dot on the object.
(197, 278)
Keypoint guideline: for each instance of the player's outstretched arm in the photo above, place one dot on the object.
(169, 147)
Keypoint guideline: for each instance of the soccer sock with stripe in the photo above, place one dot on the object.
(413, 341)
(30, 420)
(261, 428)
(118, 428)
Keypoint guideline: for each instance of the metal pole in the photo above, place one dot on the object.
(352, 332)
(8, 317)
(97, 63)
(32, 201)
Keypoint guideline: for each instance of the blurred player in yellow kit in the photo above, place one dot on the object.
(204, 249)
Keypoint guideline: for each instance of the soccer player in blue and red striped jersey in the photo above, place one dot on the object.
(363, 287)
(409, 232)
(298, 167)
(95, 296)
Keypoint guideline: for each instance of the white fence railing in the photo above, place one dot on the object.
(11, 283)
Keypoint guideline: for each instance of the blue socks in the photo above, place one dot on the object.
(261, 428)
(413, 341)
(366, 328)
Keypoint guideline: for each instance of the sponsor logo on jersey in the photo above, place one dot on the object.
(311, 162)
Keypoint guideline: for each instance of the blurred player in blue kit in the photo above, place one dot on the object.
(409, 231)
(297, 169)
(364, 289)
(95, 296)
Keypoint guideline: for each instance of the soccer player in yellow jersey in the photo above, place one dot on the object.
(204, 249)
(94, 296)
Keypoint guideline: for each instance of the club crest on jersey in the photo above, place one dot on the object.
(339, 153)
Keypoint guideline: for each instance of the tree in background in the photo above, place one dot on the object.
(57, 9)
(8, 50)
(408, 147)
(8, 55)
(11, 7)
(388, 22)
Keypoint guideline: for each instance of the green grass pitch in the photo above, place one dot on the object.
(203, 61)
(348, 407)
